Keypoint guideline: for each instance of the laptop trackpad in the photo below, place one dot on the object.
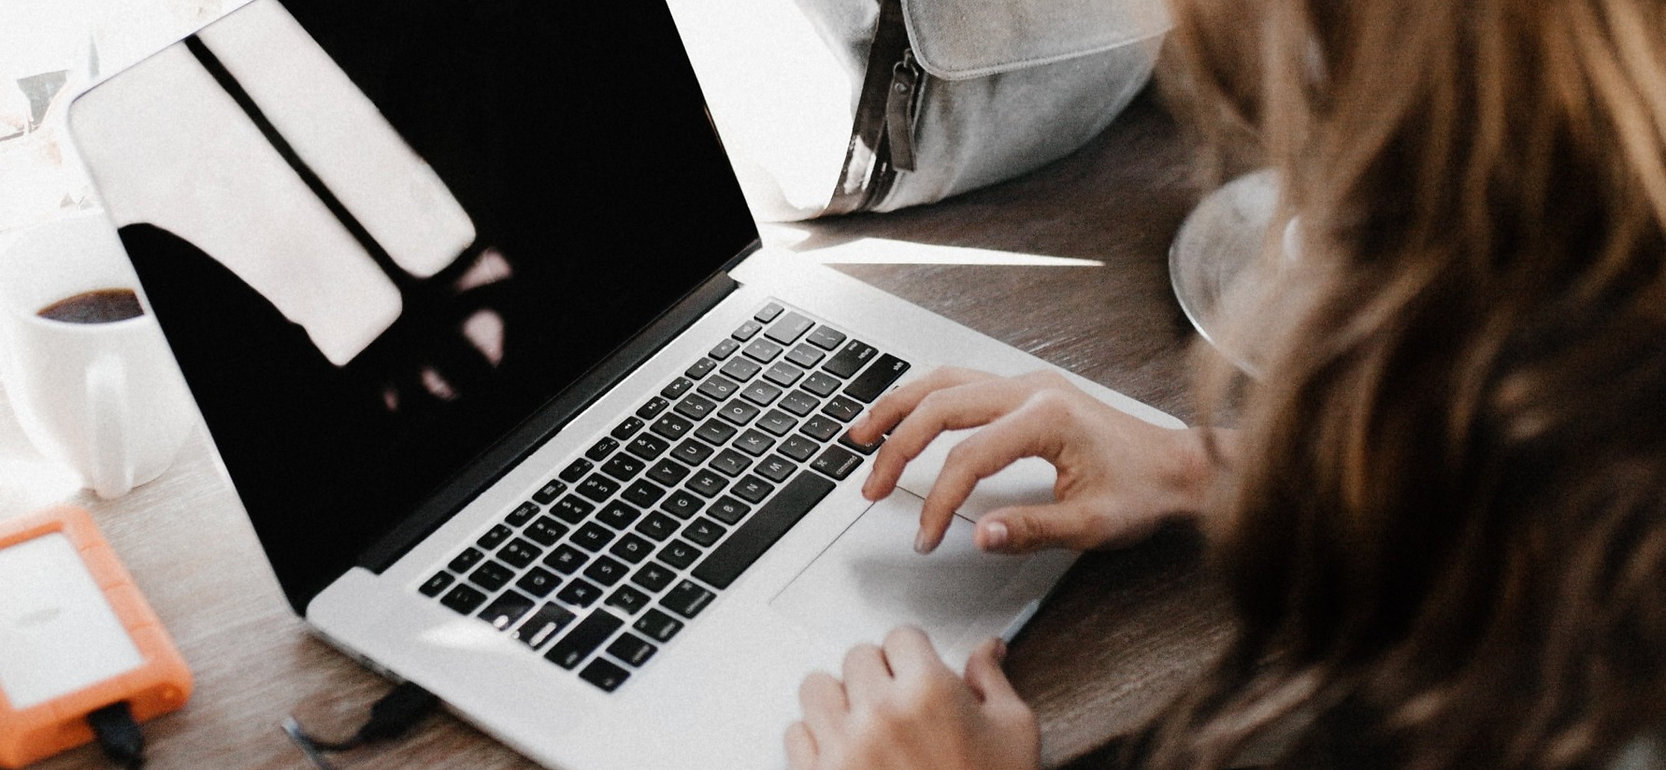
(870, 580)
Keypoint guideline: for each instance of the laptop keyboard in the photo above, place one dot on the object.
(630, 541)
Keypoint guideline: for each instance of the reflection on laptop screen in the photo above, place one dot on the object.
(372, 273)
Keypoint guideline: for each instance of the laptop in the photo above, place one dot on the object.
(477, 317)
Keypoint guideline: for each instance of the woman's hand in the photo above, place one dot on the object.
(898, 706)
(1119, 477)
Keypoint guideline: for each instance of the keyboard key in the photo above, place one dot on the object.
(754, 442)
(799, 448)
(545, 531)
(676, 389)
(506, 609)
(715, 431)
(777, 422)
(747, 331)
(523, 513)
(434, 585)
(653, 408)
(729, 510)
(821, 384)
(647, 446)
(776, 468)
(730, 463)
(538, 581)
(494, 537)
(751, 539)
(668, 472)
(618, 514)
(547, 493)
(604, 674)
(679, 554)
(719, 387)
(826, 338)
(643, 493)
(850, 359)
(865, 449)
(706, 483)
(654, 577)
(576, 470)
(876, 378)
(545, 623)
(597, 487)
(789, 329)
(572, 509)
(628, 599)
(658, 625)
(592, 537)
(624, 467)
(760, 393)
(631, 548)
(821, 428)
(738, 412)
(519, 553)
(628, 428)
(695, 406)
(752, 489)
(700, 369)
(463, 598)
(579, 593)
(741, 370)
(491, 575)
(768, 313)
(681, 504)
(836, 462)
(658, 526)
(804, 356)
(583, 639)
(605, 570)
(687, 599)
(724, 349)
(565, 558)
(631, 649)
(602, 448)
(800, 403)
(693, 452)
(762, 351)
(704, 531)
(841, 409)
(466, 560)
(672, 426)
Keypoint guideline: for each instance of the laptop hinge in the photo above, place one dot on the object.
(526, 438)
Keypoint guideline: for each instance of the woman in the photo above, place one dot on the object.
(1442, 516)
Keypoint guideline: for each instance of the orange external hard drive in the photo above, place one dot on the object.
(75, 636)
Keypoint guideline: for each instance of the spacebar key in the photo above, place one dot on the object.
(763, 529)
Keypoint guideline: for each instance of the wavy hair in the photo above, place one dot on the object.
(1444, 529)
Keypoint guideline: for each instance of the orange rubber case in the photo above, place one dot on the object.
(160, 684)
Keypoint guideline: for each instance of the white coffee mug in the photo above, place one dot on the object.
(104, 398)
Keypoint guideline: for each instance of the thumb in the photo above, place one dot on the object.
(1025, 528)
(985, 677)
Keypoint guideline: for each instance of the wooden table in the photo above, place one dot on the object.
(1122, 633)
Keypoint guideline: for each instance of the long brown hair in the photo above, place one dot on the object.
(1444, 529)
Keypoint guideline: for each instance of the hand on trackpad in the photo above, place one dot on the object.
(1026, 482)
(870, 580)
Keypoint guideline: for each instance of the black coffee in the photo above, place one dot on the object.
(95, 307)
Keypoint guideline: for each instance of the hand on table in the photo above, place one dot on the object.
(1119, 477)
(898, 706)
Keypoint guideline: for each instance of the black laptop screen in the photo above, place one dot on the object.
(574, 139)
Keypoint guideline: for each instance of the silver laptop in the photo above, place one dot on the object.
(479, 323)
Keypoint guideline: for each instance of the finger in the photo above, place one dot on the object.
(891, 408)
(979, 456)
(984, 674)
(866, 673)
(801, 747)
(1026, 528)
(911, 655)
(824, 703)
(972, 405)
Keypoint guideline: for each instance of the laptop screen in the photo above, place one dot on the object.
(371, 274)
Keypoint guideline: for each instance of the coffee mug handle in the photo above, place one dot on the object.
(108, 412)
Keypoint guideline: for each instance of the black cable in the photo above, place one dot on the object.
(118, 735)
(390, 717)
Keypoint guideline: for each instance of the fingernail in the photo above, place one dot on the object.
(922, 543)
(995, 536)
